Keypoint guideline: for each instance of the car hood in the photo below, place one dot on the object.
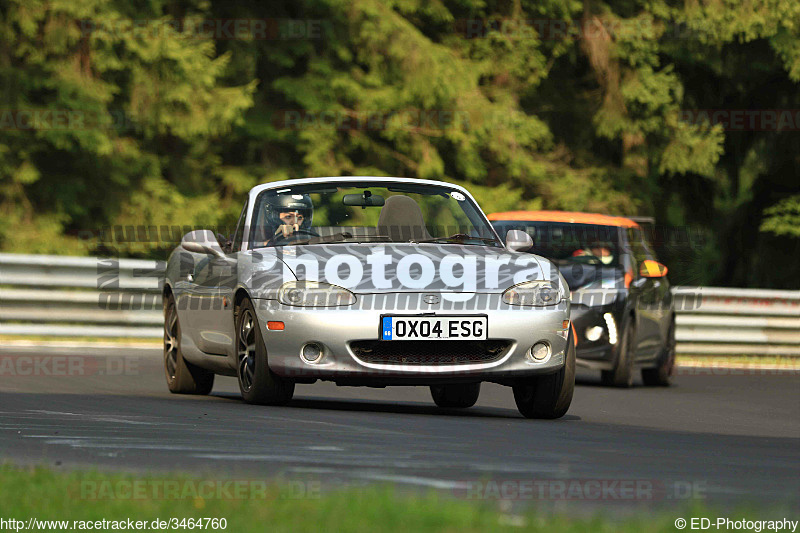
(371, 268)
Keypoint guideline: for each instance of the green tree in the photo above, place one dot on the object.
(110, 116)
(588, 105)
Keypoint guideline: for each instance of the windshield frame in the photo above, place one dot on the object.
(477, 218)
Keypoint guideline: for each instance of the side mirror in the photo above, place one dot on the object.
(202, 241)
(227, 242)
(518, 241)
(652, 269)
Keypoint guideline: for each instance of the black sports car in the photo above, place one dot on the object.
(622, 310)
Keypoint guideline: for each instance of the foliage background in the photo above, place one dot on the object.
(173, 124)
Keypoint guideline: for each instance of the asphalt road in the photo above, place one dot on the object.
(725, 437)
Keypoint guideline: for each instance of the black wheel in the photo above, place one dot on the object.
(457, 395)
(548, 396)
(622, 373)
(257, 383)
(660, 375)
(182, 376)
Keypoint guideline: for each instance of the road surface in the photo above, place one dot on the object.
(726, 437)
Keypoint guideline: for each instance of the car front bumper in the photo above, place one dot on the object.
(597, 354)
(337, 328)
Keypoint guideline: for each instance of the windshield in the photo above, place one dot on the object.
(569, 243)
(330, 213)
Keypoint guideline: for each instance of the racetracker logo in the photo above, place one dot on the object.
(589, 28)
(416, 120)
(23, 366)
(195, 489)
(606, 490)
(744, 119)
(217, 29)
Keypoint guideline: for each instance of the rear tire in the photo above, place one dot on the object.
(660, 375)
(548, 396)
(182, 376)
(622, 373)
(257, 383)
(458, 395)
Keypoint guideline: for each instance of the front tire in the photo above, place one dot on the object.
(622, 373)
(660, 375)
(257, 383)
(548, 396)
(182, 376)
(457, 395)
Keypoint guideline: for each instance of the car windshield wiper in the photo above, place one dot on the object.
(459, 238)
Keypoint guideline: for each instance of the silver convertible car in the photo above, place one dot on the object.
(368, 282)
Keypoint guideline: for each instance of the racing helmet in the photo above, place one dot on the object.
(276, 204)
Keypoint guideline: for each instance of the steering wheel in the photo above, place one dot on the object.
(280, 237)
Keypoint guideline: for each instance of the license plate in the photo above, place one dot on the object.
(400, 328)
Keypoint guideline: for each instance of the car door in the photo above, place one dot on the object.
(662, 299)
(646, 292)
(215, 281)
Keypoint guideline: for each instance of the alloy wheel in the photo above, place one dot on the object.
(171, 342)
(246, 350)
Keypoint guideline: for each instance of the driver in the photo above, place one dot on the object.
(598, 250)
(287, 214)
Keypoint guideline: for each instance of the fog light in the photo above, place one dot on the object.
(540, 352)
(312, 351)
(593, 333)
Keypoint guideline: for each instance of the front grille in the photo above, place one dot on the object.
(430, 352)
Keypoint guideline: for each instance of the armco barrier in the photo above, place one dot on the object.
(722, 321)
(59, 296)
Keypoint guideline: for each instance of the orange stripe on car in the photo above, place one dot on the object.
(571, 217)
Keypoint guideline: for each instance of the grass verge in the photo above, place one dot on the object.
(278, 506)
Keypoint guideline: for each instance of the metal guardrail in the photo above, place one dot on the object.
(62, 296)
(723, 321)
(59, 296)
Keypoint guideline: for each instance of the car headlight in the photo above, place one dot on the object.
(534, 293)
(314, 294)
